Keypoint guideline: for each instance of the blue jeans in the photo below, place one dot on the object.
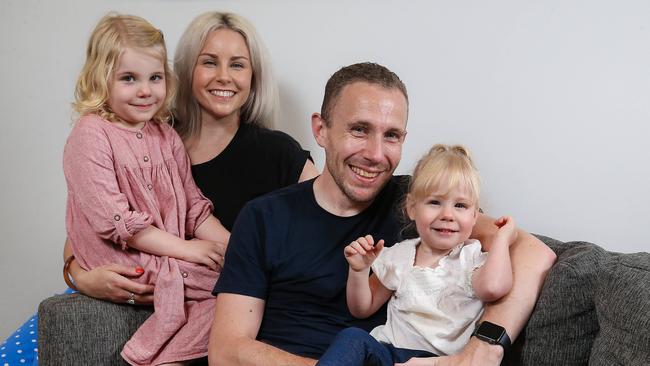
(355, 347)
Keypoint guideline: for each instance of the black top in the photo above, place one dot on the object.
(288, 251)
(255, 162)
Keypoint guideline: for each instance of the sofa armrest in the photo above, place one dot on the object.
(78, 330)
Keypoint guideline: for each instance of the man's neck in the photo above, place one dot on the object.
(331, 199)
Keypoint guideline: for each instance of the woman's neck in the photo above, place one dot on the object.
(215, 136)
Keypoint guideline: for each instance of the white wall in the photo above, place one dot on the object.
(552, 97)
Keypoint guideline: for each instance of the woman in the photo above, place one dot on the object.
(225, 101)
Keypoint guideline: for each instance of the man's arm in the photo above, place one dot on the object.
(232, 340)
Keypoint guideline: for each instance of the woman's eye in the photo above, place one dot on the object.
(238, 65)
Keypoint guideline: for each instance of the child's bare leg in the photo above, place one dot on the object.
(175, 364)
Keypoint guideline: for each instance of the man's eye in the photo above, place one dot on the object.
(392, 136)
(358, 130)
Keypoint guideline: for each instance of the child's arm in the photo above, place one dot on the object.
(211, 229)
(365, 294)
(161, 243)
(494, 279)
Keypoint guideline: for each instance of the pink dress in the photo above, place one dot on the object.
(120, 181)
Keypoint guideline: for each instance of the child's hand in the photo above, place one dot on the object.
(362, 252)
(507, 229)
(204, 252)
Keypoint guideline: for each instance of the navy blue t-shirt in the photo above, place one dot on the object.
(288, 251)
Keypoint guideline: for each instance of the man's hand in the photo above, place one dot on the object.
(362, 252)
(475, 353)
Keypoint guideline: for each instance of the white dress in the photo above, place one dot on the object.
(432, 309)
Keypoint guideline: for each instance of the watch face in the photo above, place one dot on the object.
(490, 330)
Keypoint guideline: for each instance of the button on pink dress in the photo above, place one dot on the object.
(120, 181)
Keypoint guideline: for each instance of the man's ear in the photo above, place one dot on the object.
(319, 129)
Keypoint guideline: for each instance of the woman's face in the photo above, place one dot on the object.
(221, 82)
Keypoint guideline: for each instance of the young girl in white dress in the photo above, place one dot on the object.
(435, 284)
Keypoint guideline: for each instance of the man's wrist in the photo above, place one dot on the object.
(493, 334)
(491, 353)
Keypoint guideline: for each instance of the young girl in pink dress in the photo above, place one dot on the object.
(131, 196)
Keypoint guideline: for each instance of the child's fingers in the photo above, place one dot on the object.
(367, 242)
(358, 247)
(379, 246)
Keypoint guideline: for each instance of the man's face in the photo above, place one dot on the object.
(363, 139)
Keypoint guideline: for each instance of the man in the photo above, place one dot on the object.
(281, 295)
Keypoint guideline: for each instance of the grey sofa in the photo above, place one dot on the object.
(594, 309)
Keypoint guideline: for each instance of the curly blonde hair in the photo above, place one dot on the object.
(112, 35)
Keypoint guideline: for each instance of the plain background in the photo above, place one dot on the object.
(552, 97)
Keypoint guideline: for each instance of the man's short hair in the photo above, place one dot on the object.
(368, 72)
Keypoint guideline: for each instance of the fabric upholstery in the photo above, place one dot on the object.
(79, 330)
(622, 300)
(563, 325)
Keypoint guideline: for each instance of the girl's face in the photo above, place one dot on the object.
(137, 87)
(444, 220)
(221, 82)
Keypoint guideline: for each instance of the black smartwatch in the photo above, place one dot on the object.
(493, 334)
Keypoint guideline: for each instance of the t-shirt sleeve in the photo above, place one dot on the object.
(387, 269)
(90, 174)
(244, 271)
(471, 258)
(198, 207)
(290, 156)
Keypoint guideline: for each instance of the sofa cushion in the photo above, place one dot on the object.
(79, 330)
(563, 324)
(622, 300)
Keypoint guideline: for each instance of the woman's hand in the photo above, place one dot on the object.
(112, 283)
(206, 252)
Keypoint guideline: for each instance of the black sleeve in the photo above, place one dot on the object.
(290, 158)
(244, 272)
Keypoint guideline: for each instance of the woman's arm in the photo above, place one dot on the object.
(109, 282)
(309, 171)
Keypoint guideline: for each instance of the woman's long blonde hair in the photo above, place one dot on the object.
(262, 103)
